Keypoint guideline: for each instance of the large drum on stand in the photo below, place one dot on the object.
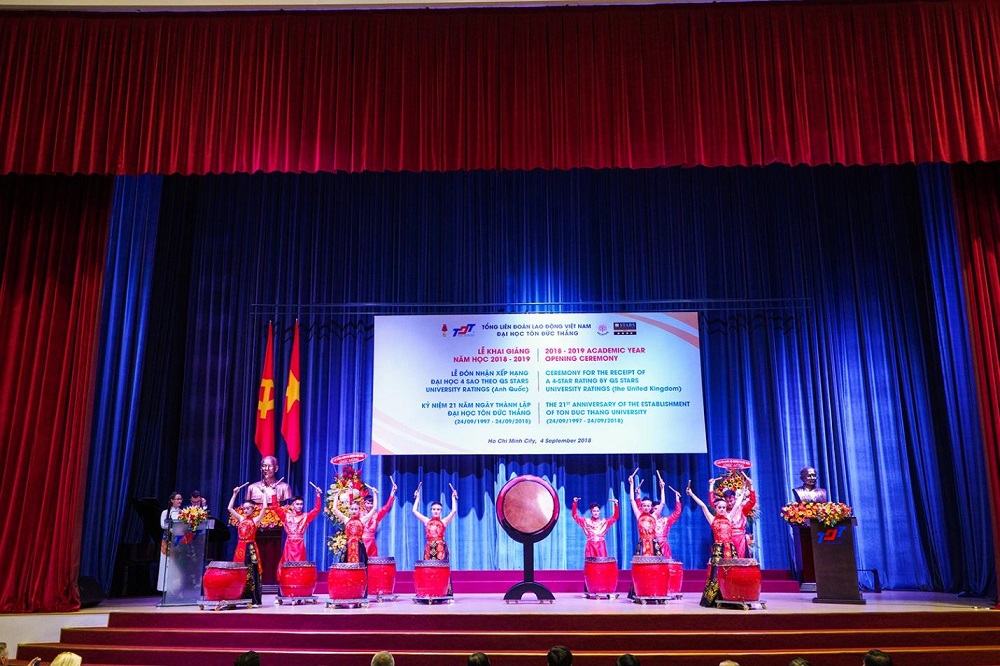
(347, 581)
(527, 508)
(649, 576)
(432, 578)
(381, 576)
(675, 578)
(600, 575)
(739, 579)
(297, 579)
(224, 580)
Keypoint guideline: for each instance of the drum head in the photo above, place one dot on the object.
(527, 508)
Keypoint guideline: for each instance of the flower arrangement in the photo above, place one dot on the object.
(193, 516)
(347, 487)
(827, 513)
(733, 480)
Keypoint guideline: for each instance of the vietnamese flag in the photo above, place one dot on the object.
(264, 433)
(290, 422)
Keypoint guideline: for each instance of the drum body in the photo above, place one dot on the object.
(649, 576)
(431, 578)
(297, 579)
(347, 580)
(600, 574)
(739, 579)
(381, 575)
(675, 577)
(224, 580)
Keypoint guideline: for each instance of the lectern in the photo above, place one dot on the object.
(185, 565)
(835, 562)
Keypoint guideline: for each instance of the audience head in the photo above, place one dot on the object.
(477, 659)
(627, 660)
(799, 661)
(877, 658)
(383, 658)
(728, 662)
(250, 658)
(67, 659)
(559, 655)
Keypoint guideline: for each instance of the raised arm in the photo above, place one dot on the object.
(454, 506)
(704, 508)
(232, 503)
(335, 507)
(576, 514)
(631, 494)
(365, 518)
(616, 513)
(416, 502)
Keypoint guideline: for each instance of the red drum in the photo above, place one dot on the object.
(600, 574)
(224, 580)
(649, 575)
(675, 577)
(431, 578)
(297, 579)
(347, 580)
(739, 579)
(381, 575)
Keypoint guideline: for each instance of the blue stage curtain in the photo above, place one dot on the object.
(825, 342)
(125, 309)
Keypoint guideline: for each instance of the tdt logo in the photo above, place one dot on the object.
(461, 330)
(831, 534)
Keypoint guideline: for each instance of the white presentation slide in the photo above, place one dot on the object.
(538, 384)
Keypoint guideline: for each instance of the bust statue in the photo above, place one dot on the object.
(808, 492)
(260, 492)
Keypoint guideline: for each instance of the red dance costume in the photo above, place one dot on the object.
(295, 529)
(435, 548)
(246, 530)
(648, 545)
(663, 526)
(371, 525)
(248, 554)
(739, 520)
(596, 530)
(722, 548)
(355, 551)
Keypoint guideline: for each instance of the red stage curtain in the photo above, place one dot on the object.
(977, 213)
(553, 88)
(52, 245)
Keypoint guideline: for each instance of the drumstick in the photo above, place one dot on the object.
(452, 488)
(318, 489)
(674, 489)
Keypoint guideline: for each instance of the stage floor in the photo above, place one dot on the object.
(45, 627)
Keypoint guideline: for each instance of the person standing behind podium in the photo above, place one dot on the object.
(808, 492)
(166, 518)
(198, 501)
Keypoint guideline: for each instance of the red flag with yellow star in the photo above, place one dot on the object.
(264, 433)
(290, 423)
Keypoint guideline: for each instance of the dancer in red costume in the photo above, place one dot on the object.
(595, 528)
(354, 530)
(722, 539)
(739, 518)
(371, 524)
(648, 545)
(663, 525)
(246, 549)
(435, 548)
(295, 522)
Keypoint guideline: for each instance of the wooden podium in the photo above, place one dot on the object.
(835, 562)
